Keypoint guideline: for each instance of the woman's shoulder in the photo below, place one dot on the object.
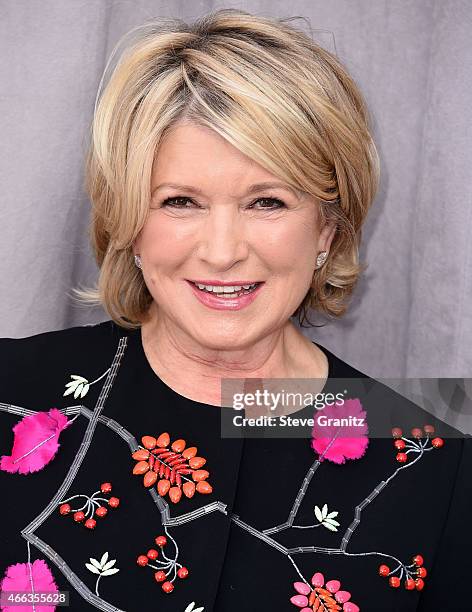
(48, 345)
(338, 368)
(32, 365)
(98, 332)
(386, 406)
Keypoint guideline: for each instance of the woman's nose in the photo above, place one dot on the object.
(221, 240)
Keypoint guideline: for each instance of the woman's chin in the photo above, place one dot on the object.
(225, 340)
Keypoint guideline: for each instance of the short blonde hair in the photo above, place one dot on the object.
(269, 90)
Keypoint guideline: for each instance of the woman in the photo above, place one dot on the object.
(230, 172)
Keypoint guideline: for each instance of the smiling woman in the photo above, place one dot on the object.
(227, 260)
(218, 109)
(230, 171)
(234, 152)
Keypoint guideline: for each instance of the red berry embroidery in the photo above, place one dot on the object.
(92, 506)
(416, 444)
(419, 584)
(176, 468)
(79, 517)
(166, 564)
(182, 573)
(161, 541)
(413, 574)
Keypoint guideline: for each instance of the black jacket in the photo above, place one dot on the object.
(256, 533)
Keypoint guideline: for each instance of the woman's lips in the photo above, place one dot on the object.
(236, 283)
(221, 303)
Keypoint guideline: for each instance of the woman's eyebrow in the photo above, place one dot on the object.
(257, 187)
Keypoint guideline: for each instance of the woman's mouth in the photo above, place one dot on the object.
(226, 297)
(227, 292)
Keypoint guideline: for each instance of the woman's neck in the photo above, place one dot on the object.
(195, 371)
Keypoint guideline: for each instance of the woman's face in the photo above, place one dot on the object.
(225, 227)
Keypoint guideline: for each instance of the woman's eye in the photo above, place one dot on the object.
(172, 202)
(279, 203)
(180, 202)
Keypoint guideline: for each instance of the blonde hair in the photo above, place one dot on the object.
(268, 89)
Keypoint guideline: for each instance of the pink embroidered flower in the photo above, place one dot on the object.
(18, 579)
(36, 441)
(347, 423)
(322, 596)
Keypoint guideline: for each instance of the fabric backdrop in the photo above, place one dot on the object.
(411, 314)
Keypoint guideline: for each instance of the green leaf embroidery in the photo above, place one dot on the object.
(79, 385)
(329, 526)
(191, 608)
(326, 519)
(109, 564)
(102, 568)
(85, 390)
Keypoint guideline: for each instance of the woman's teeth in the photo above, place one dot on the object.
(227, 291)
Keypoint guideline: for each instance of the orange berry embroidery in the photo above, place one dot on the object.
(175, 468)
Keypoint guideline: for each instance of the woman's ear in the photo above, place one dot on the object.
(136, 246)
(326, 236)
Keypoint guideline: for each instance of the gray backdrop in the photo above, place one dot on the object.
(411, 315)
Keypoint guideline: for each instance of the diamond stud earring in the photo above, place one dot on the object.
(320, 260)
(137, 261)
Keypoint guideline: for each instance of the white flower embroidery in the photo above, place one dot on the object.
(191, 608)
(327, 520)
(102, 568)
(79, 385)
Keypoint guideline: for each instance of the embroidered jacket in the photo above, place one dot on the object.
(122, 492)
